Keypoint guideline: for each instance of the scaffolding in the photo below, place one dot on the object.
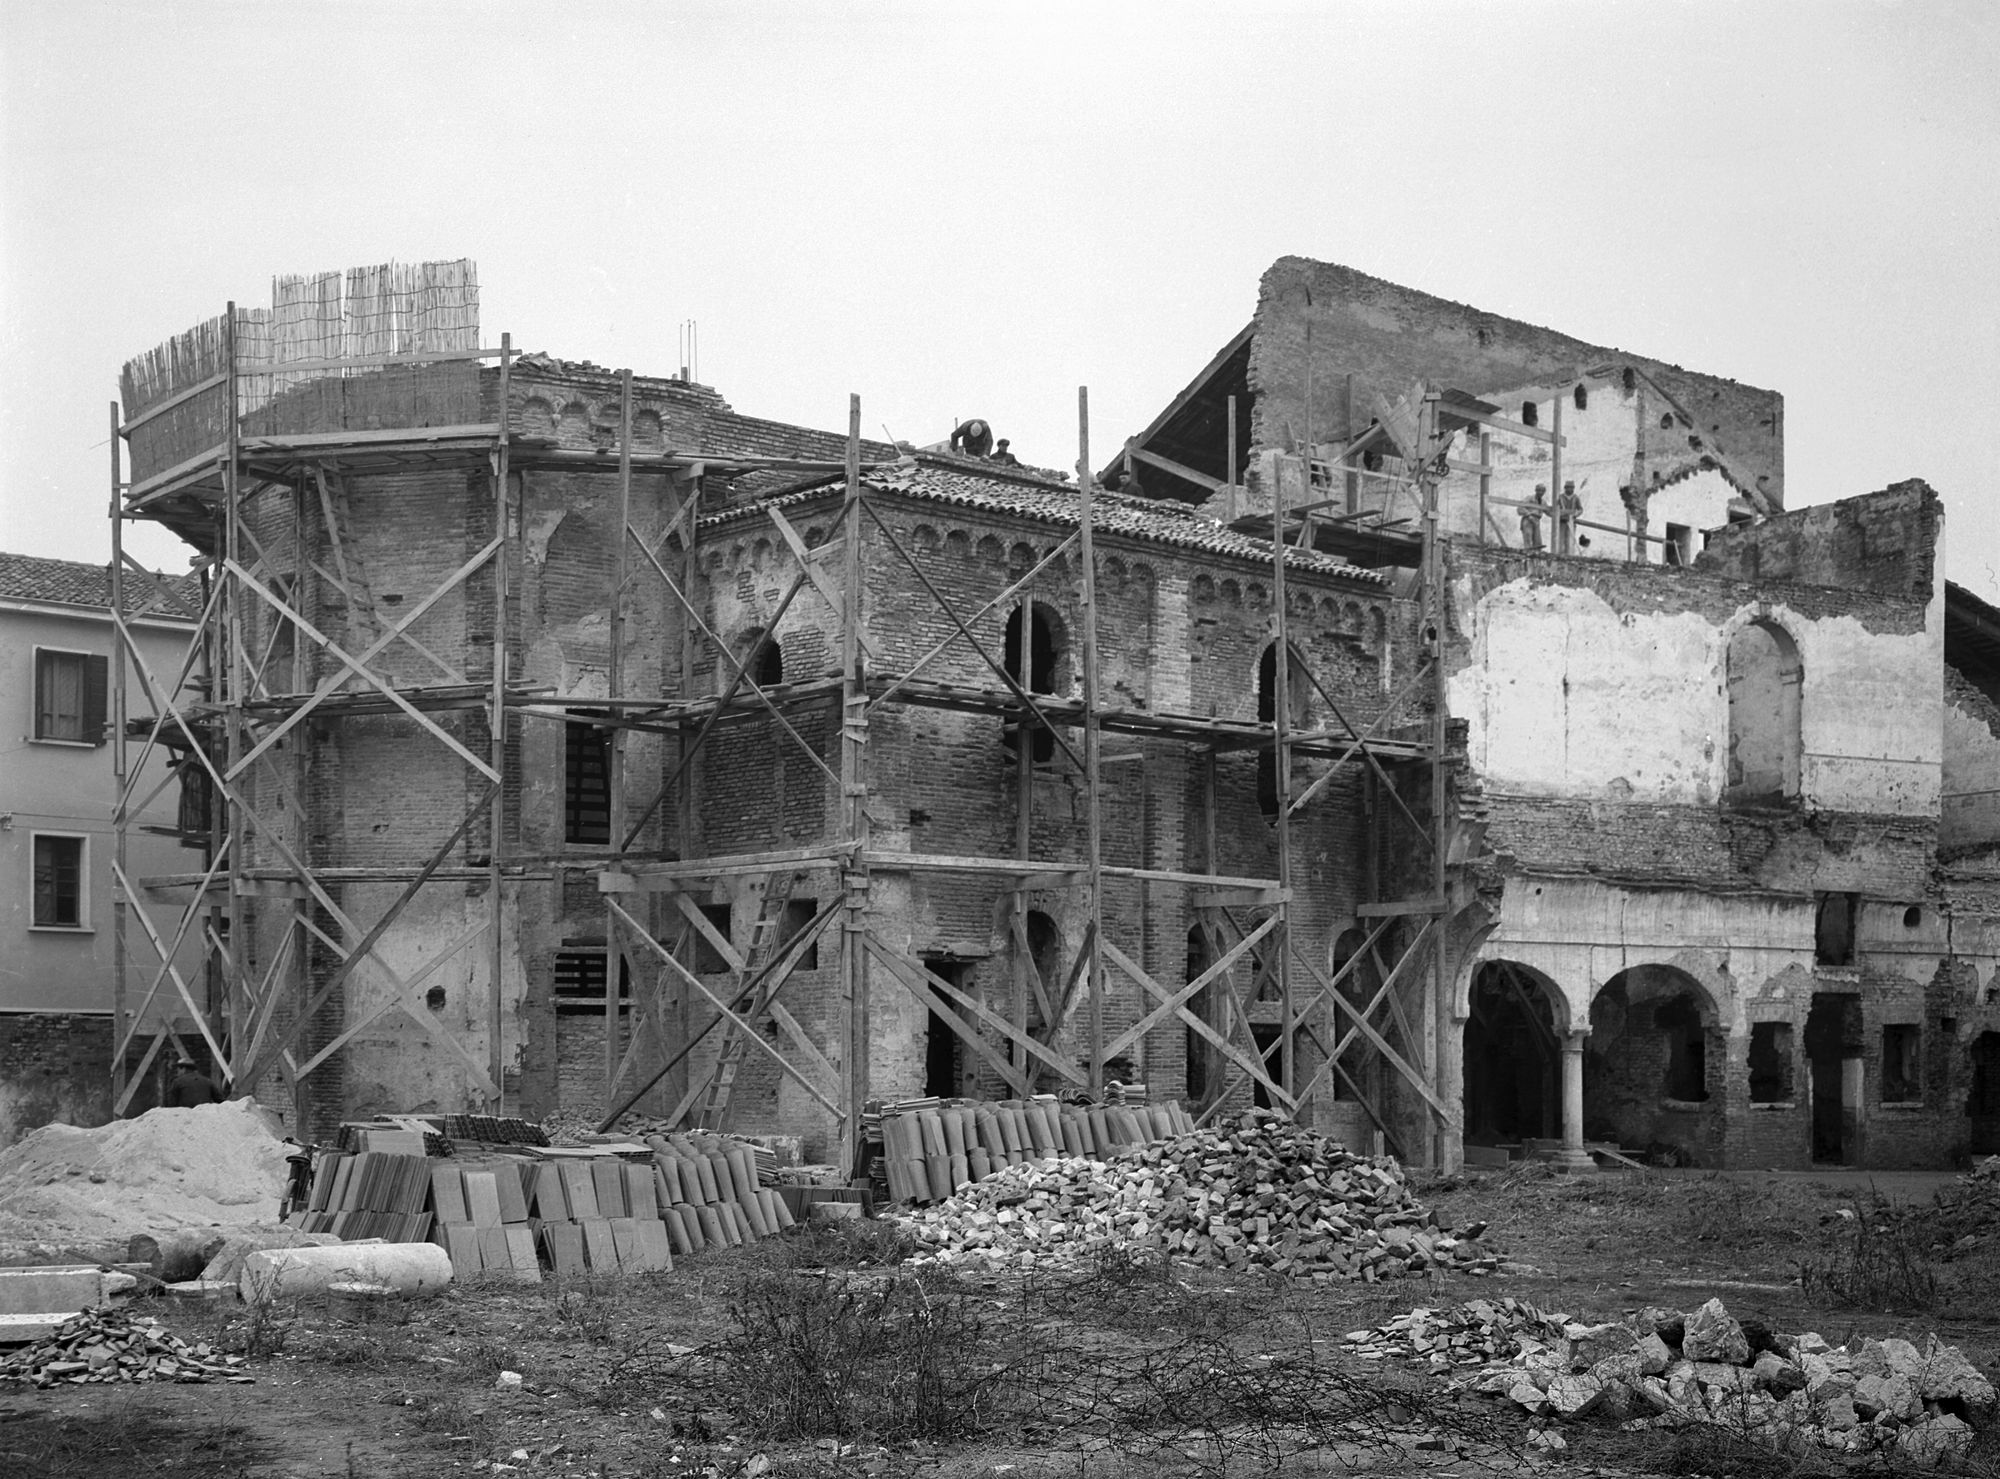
(260, 487)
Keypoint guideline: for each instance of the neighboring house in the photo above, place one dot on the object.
(57, 794)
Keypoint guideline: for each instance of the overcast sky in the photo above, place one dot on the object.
(960, 210)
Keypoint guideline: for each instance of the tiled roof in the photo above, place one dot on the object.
(1028, 494)
(74, 583)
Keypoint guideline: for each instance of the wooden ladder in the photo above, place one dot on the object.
(766, 940)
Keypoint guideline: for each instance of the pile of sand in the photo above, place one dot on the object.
(219, 1164)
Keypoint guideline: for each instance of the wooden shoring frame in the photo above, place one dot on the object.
(231, 733)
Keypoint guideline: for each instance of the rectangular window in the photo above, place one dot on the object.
(59, 895)
(586, 783)
(799, 915)
(1770, 1062)
(1900, 1081)
(708, 961)
(1833, 929)
(579, 981)
(70, 696)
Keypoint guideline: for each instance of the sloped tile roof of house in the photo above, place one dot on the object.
(1031, 494)
(74, 583)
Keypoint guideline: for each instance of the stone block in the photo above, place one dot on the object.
(1712, 1334)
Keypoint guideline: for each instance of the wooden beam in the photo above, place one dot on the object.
(1395, 907)
(1178, 469)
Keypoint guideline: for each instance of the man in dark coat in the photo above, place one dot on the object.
(190, 1087)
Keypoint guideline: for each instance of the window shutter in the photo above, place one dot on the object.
(96, 691)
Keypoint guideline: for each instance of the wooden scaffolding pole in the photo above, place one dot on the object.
(120, 817)
(238, 827)
(614, 669)
(854, 875)
(496, 823)
(1281, 699)
(1093, 832)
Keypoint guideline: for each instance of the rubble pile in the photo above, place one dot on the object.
(1666, 1369)
(112, 1345)
(1474, 1333)
(1259, 1193)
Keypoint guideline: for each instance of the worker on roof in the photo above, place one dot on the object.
(1002, 456)
(972, 438)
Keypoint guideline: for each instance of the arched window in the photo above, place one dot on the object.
(1530, 413)
(1032, 664)
(1045, 950)
(767, 662)
(1581, 397)
(1298, 704)
(1764, 678)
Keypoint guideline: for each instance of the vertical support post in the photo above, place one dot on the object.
(119, 817)
(614, 669)
(1281, 690)
(1229, 500)
(1024, 819)
(1485, 481)
(496, 740)
(236, 1042)
(1563, 530)
(853, 796)
(1093, 840)
(1437, 1008)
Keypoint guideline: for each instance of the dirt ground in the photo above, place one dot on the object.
(816, 1355)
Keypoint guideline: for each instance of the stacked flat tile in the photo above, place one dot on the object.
(711, 1194)
(482, 1218)
(931, 1148)
(596, 1213)
(372, 1194)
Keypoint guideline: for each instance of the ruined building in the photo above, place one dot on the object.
(569, 739)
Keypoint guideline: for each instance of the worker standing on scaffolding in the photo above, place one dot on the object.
(1569, 508)
(1531, 519)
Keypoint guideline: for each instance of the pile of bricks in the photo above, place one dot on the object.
(1669, 1369)
(1259, 1193)
(1474, 1333)
(112, 1345)
(930, 1149)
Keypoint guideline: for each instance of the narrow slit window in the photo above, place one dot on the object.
(586, 781)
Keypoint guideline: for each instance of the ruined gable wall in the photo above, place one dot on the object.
(1390, 336)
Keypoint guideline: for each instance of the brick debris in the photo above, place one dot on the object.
(114, 1345)
(1257, 1193)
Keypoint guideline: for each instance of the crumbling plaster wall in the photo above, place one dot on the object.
(1729, 896)
(1610, 682)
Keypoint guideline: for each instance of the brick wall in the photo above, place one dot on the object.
(55, 1067)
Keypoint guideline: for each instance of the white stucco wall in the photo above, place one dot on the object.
(1600, 454)
(1564, 695)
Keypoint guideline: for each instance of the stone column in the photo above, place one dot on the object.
(1573, 1157)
